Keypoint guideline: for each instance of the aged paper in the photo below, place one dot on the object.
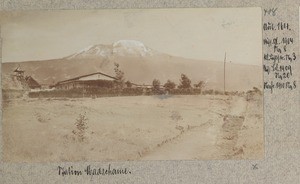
(248, 152)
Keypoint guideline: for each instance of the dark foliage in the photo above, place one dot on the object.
(185, 82)
(128, 84)
(156, 84)
(169, 85)
(120, 76)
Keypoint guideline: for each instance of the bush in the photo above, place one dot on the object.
(132, 91)
(218, 92)
(73, 93)
(81, 127)
(169, 85)
(89, 92)
(232, 93)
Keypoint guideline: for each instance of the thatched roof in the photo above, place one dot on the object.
(32, 84)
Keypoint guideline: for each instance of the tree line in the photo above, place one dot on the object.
(184, 82)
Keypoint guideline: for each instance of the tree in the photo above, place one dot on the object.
(169, 85)
(120, 76)
(156, 84)
(185, 82)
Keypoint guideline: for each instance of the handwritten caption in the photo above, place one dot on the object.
(92, 171)
(278, 57)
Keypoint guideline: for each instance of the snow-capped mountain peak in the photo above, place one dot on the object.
(118, 48)
(131, 47)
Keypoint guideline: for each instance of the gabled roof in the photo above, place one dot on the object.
(32, 83)
(77, 78)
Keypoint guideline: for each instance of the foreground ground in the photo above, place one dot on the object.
(133, 128)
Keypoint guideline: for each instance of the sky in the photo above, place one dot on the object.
(204, 34)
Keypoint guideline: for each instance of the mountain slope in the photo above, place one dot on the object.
(141, 65)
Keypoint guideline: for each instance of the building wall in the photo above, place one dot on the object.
(86, 84)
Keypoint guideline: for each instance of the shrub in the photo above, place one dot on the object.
(81, 127)
(132, 91)
(218, 92)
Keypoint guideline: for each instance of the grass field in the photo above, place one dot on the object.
(133, 128)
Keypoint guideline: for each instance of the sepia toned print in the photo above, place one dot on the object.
(116, 85)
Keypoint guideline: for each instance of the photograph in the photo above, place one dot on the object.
(132, 85)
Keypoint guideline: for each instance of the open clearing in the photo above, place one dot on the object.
(133, 128)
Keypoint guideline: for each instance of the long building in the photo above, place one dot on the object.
(94, 80)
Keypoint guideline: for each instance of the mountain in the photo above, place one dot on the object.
(120, 48)
(141, 65)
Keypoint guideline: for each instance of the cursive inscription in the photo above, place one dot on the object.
(92, 171)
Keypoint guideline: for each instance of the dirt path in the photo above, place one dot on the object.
(206, 140)
(195, 143)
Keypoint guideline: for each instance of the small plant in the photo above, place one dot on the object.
(81, 127)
